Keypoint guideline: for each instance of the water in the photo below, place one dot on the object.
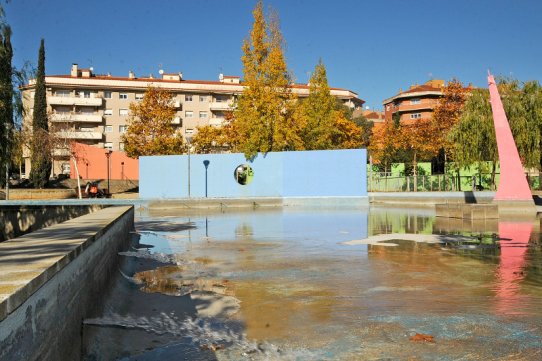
(282, 285)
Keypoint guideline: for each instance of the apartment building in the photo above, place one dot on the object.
(418, 102)
(94, 109)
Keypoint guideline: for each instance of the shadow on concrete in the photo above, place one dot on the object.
(20, 220)
(470, 198)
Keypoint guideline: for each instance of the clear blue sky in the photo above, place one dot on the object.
(371, 47)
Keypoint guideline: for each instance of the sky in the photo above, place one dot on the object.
(373, 48)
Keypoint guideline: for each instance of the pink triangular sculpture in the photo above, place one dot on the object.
(513, 184)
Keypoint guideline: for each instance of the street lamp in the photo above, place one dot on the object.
(188, 141)
(108, 156)
(122, 170)
(206, 164)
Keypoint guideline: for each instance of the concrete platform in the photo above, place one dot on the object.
(28, 262)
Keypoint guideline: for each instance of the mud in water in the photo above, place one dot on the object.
(283, 285)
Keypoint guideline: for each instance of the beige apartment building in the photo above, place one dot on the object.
(94, 109)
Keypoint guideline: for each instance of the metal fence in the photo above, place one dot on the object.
(383, 182)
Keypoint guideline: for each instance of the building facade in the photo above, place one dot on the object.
(94, 109)
(416, 103)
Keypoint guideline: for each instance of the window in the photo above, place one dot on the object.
(188, 114)
(123, 95)
(108, 128)
(62, 93)
(108, 112)
(388, 107)
(123, 112)
(108, 145)
(203, 98)
(107, 95)
(139, 96)
(86, 94)
(203, 115)
(189, 131)
(122, 128)
(415, 115)
(188, 98)
(121, 146)
(415, 101)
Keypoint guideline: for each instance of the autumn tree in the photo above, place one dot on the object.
(209, 139)
(265, 111)
(385, 143)
(419, 143)
(41, 161)
(150, 129)
(347, 134)
(446, 115)
(319, 112)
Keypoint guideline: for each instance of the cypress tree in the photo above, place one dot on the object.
(41, 160)
(6, 99)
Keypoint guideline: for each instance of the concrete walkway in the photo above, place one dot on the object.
(28, 262)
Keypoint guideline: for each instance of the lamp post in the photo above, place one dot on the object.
(122, 170)
(108, 156)
(206, 164)
(86, 163)
(188, 141)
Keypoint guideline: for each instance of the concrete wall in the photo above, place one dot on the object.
(42, 319)
(337, 173)
(18, 220)
(92, 164)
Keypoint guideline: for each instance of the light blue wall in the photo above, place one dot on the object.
(277, 174)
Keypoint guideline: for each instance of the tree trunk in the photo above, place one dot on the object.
(415, 170)
(493, 171)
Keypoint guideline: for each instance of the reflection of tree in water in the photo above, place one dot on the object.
(244, 230)
(385, 222)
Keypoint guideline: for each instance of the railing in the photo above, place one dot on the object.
(76, 117)
(221, 105)
(73, 100)
(378, 182)
(216, 121)
(79, 135)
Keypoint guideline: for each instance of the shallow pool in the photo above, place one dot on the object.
(281, 284)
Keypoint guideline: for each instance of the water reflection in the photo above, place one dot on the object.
(282, 285)
(511, 270)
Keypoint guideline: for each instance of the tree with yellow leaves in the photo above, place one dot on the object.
(265, 112)
(150, 130)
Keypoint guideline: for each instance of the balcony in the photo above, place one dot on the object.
(96, 102)
(178, 105)
(79, 135)
(216, 122)
(176, 120)
(221, 106)
(76, 117)
(407, 107)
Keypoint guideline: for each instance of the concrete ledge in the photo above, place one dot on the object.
(22, 219)
(18, 194)
(51, 279)
(429, 199)
(257, 202)
(467, 211)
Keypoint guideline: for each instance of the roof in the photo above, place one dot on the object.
(173, 81)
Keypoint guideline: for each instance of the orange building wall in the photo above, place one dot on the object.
(92, 164)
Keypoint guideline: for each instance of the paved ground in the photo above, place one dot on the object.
(27, 262)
